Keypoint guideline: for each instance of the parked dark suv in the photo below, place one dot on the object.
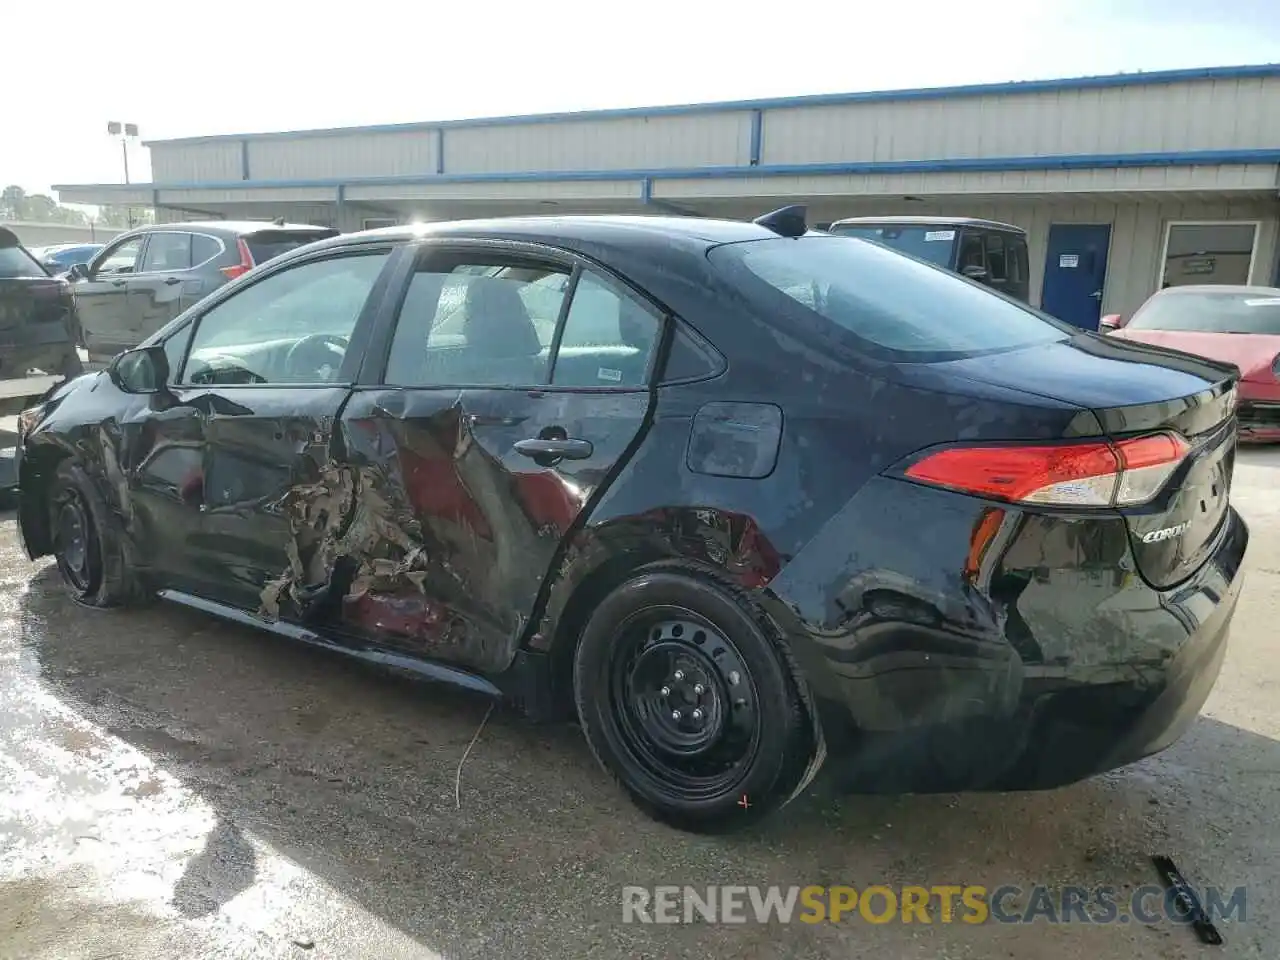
(146, 277)
(984, 250)
(38, 329)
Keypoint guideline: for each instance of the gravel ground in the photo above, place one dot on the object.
(171, 786)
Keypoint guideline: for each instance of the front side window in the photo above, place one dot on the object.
(290, 327)
(121, 258)
(166, 252)
(877, 302)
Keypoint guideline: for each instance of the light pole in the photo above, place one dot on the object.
(126, 132)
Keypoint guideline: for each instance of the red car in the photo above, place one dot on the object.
(1237, 325)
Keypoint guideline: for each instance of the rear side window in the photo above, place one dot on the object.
(203, 249)
(167, 251)
(16, 262)
(879, 303)
(271, 243)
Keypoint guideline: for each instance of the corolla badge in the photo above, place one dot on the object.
(1166, 533)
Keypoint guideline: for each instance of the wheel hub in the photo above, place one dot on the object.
(685, 695)
(73, 541)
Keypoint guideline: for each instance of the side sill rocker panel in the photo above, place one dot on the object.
(426, 668)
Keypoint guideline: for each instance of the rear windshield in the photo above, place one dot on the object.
(1211, 312)
(932, 243)
(880, 303)
(16, 262)
(271, 243)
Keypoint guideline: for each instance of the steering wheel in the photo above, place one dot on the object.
(316, 357)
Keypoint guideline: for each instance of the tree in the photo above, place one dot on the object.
(124, 216)
(17, 204)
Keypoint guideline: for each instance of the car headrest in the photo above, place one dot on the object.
(498, 323)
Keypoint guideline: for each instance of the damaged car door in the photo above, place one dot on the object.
(269, 366)
(515, 384)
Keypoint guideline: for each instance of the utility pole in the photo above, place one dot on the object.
(126, 132)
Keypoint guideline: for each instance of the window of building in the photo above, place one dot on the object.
(1197, 253)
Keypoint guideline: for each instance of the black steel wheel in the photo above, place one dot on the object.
(688, 700)
(87, 557)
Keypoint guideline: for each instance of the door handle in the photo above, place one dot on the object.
(545, 449)
(117, 283)
(170, 281)
(1097, 294)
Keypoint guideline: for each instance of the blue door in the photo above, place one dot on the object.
(1074, 272)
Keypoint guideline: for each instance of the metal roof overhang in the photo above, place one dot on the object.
(1127, 176)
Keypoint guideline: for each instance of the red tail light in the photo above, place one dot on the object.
(1098, 474)
(245, 264)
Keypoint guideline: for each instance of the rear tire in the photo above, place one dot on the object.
(88, 555)
(686, 697)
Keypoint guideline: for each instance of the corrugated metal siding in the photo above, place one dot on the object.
(193, 162)
(361, 155)
(1205, 115)
(631, 143)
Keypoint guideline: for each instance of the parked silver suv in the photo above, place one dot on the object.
(146, 277)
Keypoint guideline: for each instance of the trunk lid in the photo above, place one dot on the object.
(1253, 353)
(1134, 389)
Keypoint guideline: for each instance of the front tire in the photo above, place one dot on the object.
(88, 555)
(686, 697)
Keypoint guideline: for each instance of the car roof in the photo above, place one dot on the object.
(931, 221)
(640, 230)
(228, 226)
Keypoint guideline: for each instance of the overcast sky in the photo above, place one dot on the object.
(183, 68)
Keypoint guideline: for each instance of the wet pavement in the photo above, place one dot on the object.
(171, 786)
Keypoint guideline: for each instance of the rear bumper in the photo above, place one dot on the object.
(1041, 678)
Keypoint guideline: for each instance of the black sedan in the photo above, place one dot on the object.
(748, 500)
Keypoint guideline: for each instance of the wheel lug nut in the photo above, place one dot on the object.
(675, 714)
(666, 691)
(699, 689)
(697, 714)
(679, 674)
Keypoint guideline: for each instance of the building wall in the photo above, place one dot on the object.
(1099, 117)
(1204, 115)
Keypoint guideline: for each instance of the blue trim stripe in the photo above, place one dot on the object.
(972, 164)
(1253, 71)
(757, 136)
